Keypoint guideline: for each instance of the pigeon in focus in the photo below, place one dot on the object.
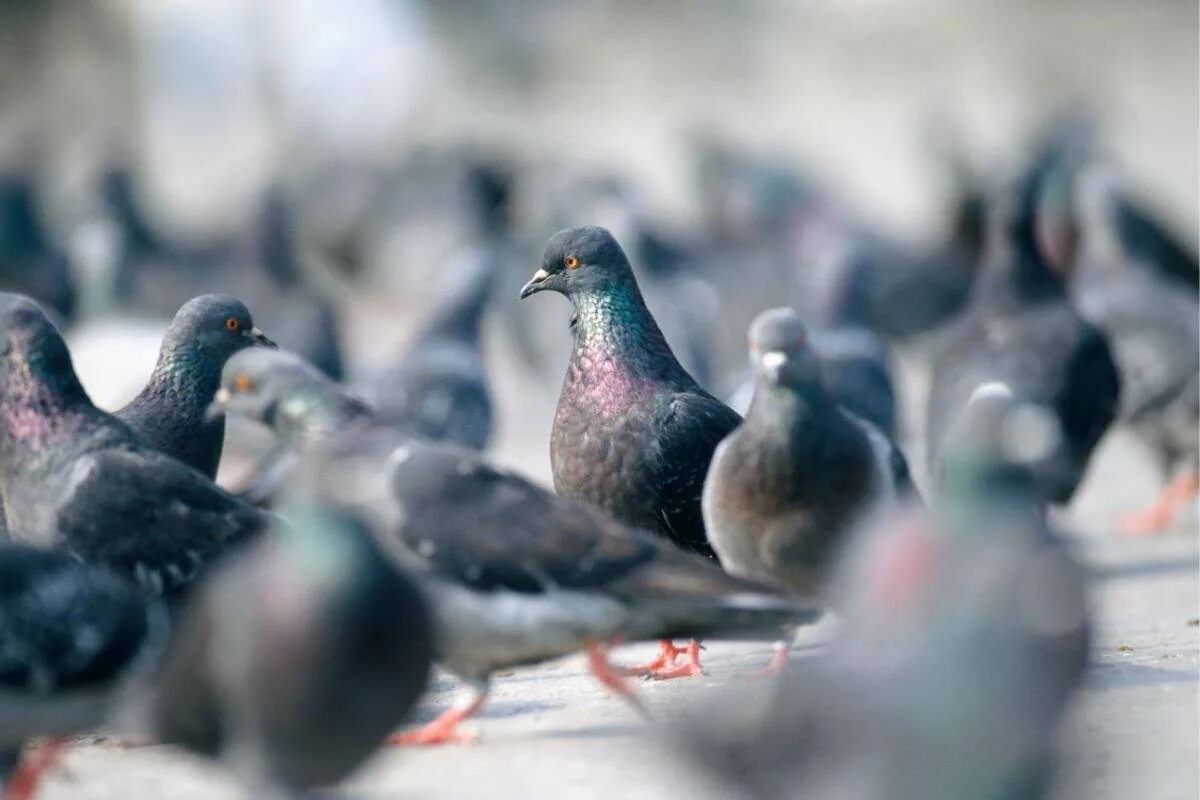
(77, 479)
(1020, 329)
(790, 485)
(964, 637)
(438, 388)
(1152, 322)
(294, 661)
(633, 433)
(171, 412)
(74, 642)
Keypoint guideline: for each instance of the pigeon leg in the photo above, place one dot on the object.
(442, 730)
(688, 669)
(668, 653)
(1159, 513)
(32, 767)
(777, 663)
(598, 664)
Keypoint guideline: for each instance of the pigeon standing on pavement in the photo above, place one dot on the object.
(73, 640)
(1020, 328)
(964, 636)
(1151, 320)
(171, 412)
(633, 433)
(295, 660)
(789, 486)
(438, 389)
(77, 479)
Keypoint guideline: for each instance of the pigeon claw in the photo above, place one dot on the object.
(668, 654)
(34, 764)
(1158, 515)
(443, 729)
(612, 678)
(688, 669)
(776, 665)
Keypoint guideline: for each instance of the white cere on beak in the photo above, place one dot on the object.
(222, 397)
(774, 360)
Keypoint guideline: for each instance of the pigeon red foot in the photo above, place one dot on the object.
(777, 664)
(688, 669)
(443, 729)
(668, 654)
(34, 764)
(612, 678)
(1158, 515)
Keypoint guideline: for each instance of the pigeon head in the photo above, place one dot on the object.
(215, 325)
(779, 349)
(283, 392)
(33, 356)
(581, 260)
(995, 444)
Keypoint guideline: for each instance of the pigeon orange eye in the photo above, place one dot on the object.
(232, 324)
(242, 383)
(571, 262)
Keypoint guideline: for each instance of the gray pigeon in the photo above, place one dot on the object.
(295, 660)
(438, 388)
(965, 634)
(633, 433)
(515, 574)
(73, 641)
(1153, 325)
(1020, 328)
(171, 412)
(793, 481)
(77, 479)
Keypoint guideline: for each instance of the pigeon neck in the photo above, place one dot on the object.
(321, 414)
(794, 409)
(613, 326)
(33, 413)
(1014, 271)
(185, 378)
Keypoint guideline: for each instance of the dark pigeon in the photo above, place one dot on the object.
(790, 485)
(73, 642)
(899, 707)
(633, 433)
(77, 479)
(438, 388)
(295, 660)
(1151, 321)
(1021, 329)
(516, 575)
(30, 261)
(171, 412)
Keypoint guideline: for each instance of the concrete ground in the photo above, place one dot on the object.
(553, 732)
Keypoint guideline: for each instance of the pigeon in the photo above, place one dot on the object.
(854, 359)
(518, 575)
(30, 262)
(899, 707)
(295, 660)
(633, 433)
(171, 412)
(515, 574)
(790, 485)
(1020, 328)
(1151, 322)
(77, 479)
(438, 388)
(74, 642)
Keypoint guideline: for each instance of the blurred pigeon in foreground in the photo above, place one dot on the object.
(795, 479)
(965, 635)
(1153, 324)
(1019, 328)
(77, 479)
(438, 388)
(171, 412)
(72, 640)
(295, 660)
(633, 433)
(516, 575)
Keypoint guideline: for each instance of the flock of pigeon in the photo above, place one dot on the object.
(289, 628)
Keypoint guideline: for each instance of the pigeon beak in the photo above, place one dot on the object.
(536, 284)
(217, 407)
(259, 339)
(773, 363)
